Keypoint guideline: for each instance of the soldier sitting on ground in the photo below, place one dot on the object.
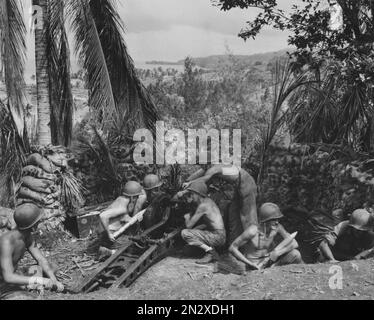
(349, 240)
(13, 246)
(205, 228)
(123, 208)
(257, 247)
(242, 211)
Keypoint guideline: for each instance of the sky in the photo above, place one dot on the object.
(170, 30)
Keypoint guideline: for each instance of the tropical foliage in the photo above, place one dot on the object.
(119, 100)
(337, 107)
(116, 93)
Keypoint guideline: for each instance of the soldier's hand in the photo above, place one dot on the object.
(274, 256)
(126, 219)
(186, 185)
(112, 238)
(58, 286)
(333, 261)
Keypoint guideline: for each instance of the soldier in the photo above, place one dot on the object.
(123, 208)
(205, 228)
(243, 210)
(351, 239)
(152, 186)
(257, 247)
(13, 246)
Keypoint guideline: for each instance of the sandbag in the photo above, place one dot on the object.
(51, 213)
(37, 160)
(21, 201)
(59, 160)
(25, 192)
(54, 205)
(38, 185)
(36, 172)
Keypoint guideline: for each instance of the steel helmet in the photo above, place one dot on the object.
(132, 189)
(360, 220)
(27, 215)
(151, 181)
(199, 188)
(269, 211)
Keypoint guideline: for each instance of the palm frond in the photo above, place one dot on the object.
(13, 52)
(285, 83)
(332, 111)
(61, 96)
(134, 106)
(13, 150)
(91, 54)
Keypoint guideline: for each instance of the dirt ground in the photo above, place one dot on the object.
(180, 278)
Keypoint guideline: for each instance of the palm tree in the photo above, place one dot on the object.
(44, 137)
(116, 94)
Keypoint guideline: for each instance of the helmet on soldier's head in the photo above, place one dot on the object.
(199, 188)
(360, 220)
(27, 215)
(151, 181)
(268, 212)
(132, 189)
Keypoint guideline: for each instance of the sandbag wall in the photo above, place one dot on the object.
(40, 185)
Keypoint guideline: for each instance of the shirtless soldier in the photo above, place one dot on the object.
(13, 246)
(205, 229)
(123, 208)
(243, 210)
(353, 239)
(257, 248)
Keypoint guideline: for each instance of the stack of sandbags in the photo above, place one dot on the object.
(40, 185)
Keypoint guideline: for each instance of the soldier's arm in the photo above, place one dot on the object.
(326, 251)
(282, 249)
(140, 203)
(209, 174)
(111, 213)
(198, 174)
(45, 266)
(7, 267)
(192, 222)
(249, 211)
(329, 241)
(244, 238)
(42, 261)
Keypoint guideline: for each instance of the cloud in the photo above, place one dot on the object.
(161, 15)
(180, 41)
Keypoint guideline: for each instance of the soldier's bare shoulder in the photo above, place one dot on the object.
(9, 238)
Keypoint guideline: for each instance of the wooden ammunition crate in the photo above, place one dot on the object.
(89, 224)
(88, 220)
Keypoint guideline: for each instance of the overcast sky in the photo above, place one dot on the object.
(173, 29)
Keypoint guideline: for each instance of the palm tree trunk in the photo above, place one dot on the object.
(42, 78)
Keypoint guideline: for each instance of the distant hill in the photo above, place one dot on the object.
(164, 63)
(212, 62)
